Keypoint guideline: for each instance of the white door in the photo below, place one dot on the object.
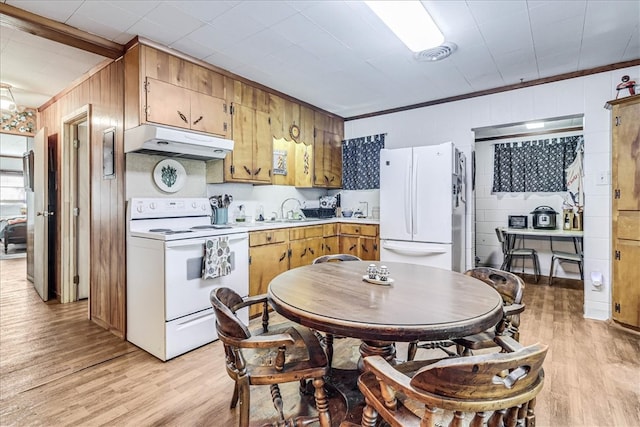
(433, 193)
(40, 205)
(81, 214)
(395, 194)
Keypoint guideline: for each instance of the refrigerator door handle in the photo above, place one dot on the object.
(414, 195)
(414, 251)
(408, 200)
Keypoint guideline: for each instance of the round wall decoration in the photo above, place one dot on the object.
(294, 131)
(169, 175)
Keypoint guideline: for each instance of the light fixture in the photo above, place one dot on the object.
(534, 125)
(7, 101)
(410, 22)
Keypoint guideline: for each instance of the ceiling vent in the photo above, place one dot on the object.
(437, 53)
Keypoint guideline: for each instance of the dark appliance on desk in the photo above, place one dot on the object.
(544, 217)
(518, 221)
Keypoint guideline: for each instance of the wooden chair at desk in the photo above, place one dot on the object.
(509, 253)
(499, 386)
(560, 256)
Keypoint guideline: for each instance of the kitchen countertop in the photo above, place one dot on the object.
(267, 225)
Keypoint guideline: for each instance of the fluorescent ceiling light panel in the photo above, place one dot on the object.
(410, 21)
(534, 125)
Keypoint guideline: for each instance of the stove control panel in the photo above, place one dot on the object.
(145, 208)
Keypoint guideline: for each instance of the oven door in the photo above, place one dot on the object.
(186, 292)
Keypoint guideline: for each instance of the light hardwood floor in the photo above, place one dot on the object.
(58, 368)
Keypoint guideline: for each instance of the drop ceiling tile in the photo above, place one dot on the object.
(205, 11)
(485, 11)
(632, 51)
(139, 8)
(59, 10)
(297, 29)
(268, 13)
(604, 16)
(105, 15)
(563, 35)
(554, 11)
(237, 25)
(212, 37)
(514, 34)
(174, 20)
(252, 49)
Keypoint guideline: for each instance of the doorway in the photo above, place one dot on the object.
(75, 206)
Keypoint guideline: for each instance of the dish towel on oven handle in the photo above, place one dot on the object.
(217, 257)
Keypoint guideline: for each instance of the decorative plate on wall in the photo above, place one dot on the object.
(169, 175)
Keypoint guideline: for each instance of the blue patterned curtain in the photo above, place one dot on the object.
(361, 162)
(533, 166)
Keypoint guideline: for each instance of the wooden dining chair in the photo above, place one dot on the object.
(287, 354)
(511, 289)
(496, 388)
(509, 254)
(329, 338)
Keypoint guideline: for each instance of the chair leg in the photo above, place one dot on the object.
(581, 272)
(245, 401)
(536, 266)
(234, 398)
(328, 342)
(553, 259)
(322, 403)
(411, 350)
(276, 397)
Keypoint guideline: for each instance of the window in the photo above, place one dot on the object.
(361, 162)
(533, 166)
(12, 194)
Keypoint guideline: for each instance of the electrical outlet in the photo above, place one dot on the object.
(603, 178)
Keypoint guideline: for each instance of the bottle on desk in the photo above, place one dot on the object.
(567, 220)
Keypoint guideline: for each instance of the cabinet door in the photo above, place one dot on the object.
(626, 157)
(368, 248)
(241, 158)
(349, 245)
(304, 251)
(167, 104)
(626, 276)
(263, 148)
(209, 114)
(266, 263)
(333, 160)
(331, 245)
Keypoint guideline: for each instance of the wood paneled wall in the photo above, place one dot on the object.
(104, 92)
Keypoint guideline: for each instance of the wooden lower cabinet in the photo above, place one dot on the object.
(361, 240)
(272, 252)
(268, 257)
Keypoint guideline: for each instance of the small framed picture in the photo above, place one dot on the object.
(108, 155)
(279, 162)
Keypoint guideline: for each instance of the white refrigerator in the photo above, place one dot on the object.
(422, 206)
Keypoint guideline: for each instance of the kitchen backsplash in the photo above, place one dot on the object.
(140, 183)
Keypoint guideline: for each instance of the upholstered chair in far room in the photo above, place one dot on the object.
(511, 289)
(511, 253)
(286, 354)
(495, 388)
(328, 338)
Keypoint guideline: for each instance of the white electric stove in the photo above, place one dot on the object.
(168, 307)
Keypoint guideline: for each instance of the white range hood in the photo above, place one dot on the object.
(154, 139)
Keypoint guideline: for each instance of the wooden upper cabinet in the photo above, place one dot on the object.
(176, 106)
(250, 160)
(276, 112)
(306, 125)
(327, 152)
(166, 89)
(167, 104)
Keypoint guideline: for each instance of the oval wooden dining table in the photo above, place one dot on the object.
(422, 303)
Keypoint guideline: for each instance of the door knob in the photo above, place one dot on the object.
(44, 213)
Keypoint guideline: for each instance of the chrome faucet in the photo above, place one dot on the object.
(283, 216)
